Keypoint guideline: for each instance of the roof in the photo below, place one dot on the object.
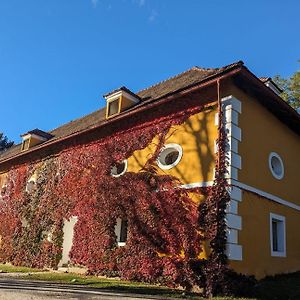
(122, 88)
(182, 80)
(77, 125)
(265, 80)
(173, 85)
(39, 132)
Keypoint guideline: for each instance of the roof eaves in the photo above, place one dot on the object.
(143, 105)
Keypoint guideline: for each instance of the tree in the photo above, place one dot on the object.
(291, 89)
(4, 142)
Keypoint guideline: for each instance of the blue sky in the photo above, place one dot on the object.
(58, 57)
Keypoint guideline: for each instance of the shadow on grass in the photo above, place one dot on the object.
(279, 287)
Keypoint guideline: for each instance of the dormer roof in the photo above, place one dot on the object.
(34, 137)
(124, 89)
(39, 133)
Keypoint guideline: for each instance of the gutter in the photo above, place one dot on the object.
(136, 109)
(284, 110)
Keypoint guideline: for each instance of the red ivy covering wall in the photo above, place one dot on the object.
(162, 219)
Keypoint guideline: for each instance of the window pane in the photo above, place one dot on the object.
(113, 107)
(123, 233)
(275, 235)
(171, 157)
(25, 144)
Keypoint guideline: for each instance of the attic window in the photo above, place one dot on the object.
(120, 100)
(34, 137)
(113, 107)
(25, 144)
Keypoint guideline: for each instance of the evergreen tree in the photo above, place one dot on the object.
(4, 142)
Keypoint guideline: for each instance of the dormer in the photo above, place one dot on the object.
(271, 85)
(119, 100)
(33, 138)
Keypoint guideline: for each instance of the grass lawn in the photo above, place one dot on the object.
(278, 287)
(8, 268)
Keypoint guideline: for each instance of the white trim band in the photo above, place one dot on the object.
(197, 184)
(235, 192)
(265, 194)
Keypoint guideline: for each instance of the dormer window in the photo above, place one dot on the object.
(34, 137)
(120, 100)
(25, 144)
(114, 107)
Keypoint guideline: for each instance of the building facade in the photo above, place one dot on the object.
(127, 183)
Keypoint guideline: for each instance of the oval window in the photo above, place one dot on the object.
(276, 165)
(118, 168)
(169, 156)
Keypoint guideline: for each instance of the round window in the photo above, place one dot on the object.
(169, 156)
(276, 165)
(118, 168)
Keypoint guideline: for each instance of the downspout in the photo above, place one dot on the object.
(220, 119)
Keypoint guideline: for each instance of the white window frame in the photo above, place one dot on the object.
(110, 101)
(277, 176)
(24, 146)
(123, 172)
(281, 237)
(118, 232)
(169, 146)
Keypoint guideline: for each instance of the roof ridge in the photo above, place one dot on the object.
(170, 78)
(195, 68)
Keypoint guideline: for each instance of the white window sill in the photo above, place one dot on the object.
(278, 254)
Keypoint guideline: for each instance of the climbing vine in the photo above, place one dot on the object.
(166, 229)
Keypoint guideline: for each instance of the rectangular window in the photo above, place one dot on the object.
(277, 235)
(25, 144)
(121, 230)
(113, 107)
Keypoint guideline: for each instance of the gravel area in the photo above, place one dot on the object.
(16, 289)
(26, 295)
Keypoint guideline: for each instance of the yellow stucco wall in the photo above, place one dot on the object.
(196, 137)
(255, 238)
(34, 142)
(263, 133)
(126, 103)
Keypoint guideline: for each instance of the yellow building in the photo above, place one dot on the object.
(263, 146)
